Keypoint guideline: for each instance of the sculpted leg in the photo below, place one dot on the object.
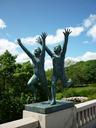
(44, 88)
(65, 81)
(32, 81)
(53, 90)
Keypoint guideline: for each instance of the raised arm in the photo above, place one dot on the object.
(26, 50)
(66, 35)
(46, 48)
(43, 38)
(48, 51)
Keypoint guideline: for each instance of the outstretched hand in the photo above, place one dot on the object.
(67, 32)
(43, 35)
(39, 40)
(18, 41)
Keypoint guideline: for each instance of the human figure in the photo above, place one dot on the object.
(58, 58)
(38, 65)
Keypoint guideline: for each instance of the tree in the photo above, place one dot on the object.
(21, 76)
(7, 68)
(82, 72)
(13, 91)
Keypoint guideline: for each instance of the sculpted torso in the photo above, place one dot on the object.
(38, 68)
(58, 65)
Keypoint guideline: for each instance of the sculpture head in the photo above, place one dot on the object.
(57, 49)
(37, 52)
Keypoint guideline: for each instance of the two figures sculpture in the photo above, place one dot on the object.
(58, 57)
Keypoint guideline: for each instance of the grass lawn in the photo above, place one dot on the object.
(87, 91)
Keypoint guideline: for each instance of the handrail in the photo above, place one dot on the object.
(22, 123)
(85, 113)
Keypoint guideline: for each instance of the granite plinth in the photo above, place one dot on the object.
(46, 108)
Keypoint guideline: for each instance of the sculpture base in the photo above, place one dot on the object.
(46, 108)
(60, 115)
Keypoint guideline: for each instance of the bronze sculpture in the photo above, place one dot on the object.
(58, 58)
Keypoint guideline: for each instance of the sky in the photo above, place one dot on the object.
(27, 19)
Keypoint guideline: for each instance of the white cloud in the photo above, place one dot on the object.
(22, 57)
(7, 45)
(2, 24)
(91, 20)
(87, 56)
(53, 39)
(29, 40)
(92, 32)
(89, 25)
(76, 31)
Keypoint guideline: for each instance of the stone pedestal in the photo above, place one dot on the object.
(60, 115)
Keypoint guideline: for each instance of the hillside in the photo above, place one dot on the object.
(82, 72)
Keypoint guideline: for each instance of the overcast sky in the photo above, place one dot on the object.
(26, 19)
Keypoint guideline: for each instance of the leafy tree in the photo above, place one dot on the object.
(82, 72)
(13, 92)
(7, 68)
(22, 74)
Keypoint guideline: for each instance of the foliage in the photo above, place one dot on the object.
(87, 91)
(82, 72)
(7, 68)
(13, 90)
